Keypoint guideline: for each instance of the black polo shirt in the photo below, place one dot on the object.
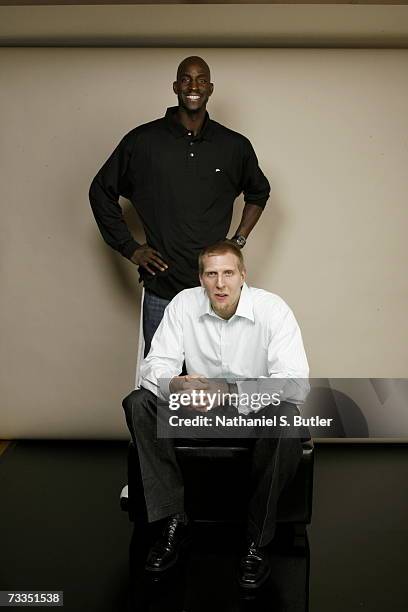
(183, 188)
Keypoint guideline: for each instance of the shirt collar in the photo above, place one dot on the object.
(244, 309)
(178, 129)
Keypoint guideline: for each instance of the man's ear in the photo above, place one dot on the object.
(243, 275)
(175, 89)
(201, 281)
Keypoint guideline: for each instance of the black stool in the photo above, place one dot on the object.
(216, 477)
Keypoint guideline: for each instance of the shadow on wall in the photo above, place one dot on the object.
(123, 275)
(263, 251)
(348, 419)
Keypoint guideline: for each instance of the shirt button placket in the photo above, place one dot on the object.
(191, 155)
(222, 348)
(227, 352)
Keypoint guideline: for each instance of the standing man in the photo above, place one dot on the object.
(182, 173)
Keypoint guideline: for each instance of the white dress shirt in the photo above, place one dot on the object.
(262, 340)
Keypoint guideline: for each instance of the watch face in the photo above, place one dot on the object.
(240, 240)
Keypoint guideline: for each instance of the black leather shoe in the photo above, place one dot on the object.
(165, 552)
(254, 568)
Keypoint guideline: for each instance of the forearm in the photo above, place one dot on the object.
(155, 377)
(111, 182)
(250, 217)
(255, 394)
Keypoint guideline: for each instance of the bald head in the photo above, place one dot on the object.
(193, 60)
(193, 86)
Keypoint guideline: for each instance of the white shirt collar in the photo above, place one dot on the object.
(244, 309)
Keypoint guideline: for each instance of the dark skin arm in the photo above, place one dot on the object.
(250, 217)
(148, 258)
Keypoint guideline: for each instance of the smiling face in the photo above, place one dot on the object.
(193, 87)
(222, 279)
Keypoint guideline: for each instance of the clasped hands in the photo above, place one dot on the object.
(203, 392)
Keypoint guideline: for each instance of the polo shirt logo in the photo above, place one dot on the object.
(217, 170)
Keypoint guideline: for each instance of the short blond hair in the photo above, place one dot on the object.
(220, 248)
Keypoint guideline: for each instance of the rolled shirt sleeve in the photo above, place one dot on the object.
(255, 186)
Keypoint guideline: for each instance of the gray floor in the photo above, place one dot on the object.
(359, 534)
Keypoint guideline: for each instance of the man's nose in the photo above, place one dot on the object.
(220, 281)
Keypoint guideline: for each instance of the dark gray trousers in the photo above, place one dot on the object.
(274, 463)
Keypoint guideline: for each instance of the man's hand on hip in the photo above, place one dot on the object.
(148, 258)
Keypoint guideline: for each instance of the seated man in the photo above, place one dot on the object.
(227, 331)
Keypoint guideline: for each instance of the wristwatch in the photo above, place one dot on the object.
(240, 240)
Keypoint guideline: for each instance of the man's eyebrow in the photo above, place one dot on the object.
(200, 74)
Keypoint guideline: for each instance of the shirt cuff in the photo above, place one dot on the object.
(164, 389)
(129, 248)
(261, 203)
(245, 390)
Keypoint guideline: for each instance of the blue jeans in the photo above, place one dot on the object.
(153, 310)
